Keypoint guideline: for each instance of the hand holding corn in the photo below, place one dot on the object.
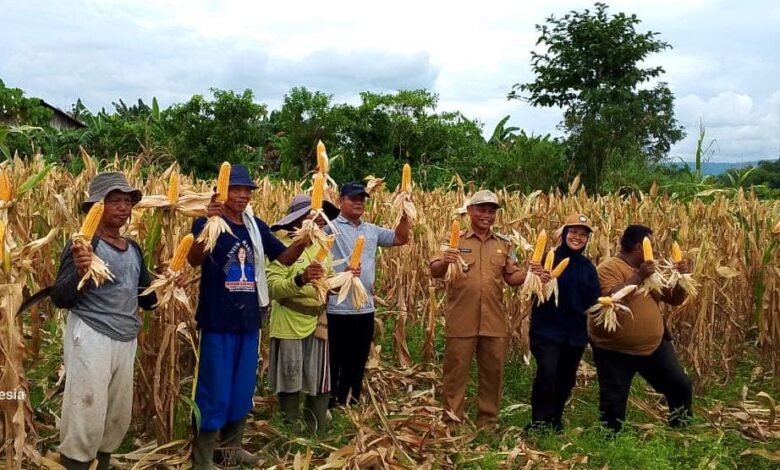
(82, 257)
(450, 256)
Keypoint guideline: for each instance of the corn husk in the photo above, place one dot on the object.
(164, 285)
(675, 278)
(98, 271)
(551, 288)
(215, 226)
(402, 200)
(321, 284)
(605, 311)
(348, 286)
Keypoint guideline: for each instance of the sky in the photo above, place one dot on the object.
(724, 68)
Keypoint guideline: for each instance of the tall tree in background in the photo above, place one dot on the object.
(614, 109)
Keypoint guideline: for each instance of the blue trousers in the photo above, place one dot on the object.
(226, 378)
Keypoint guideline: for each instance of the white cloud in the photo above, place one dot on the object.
(470, 54)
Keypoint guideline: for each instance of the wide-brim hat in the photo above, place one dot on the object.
(103, 183)
(300, 207)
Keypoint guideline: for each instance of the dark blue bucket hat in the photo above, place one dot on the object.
(239, 176)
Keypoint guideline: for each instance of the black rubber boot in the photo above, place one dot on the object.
(289, 404)
(203, 445)
(232, 453)
(103, 459)
(71, 464)
(315, 413)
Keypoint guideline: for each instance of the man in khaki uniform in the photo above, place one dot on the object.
(475, 319)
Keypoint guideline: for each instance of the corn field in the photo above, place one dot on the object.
(732, 241)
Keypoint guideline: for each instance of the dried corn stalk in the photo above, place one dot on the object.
(98, 270)
(605, 311)
(216, 225)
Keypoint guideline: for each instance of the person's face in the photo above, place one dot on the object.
(638, 253)
(117, 207)
(353, 206)
(483, 216)
(577, 238)
(238, 198)
(241, 255)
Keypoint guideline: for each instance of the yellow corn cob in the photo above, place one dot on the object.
(647, 249)
(357, 252)
(5, 187)
(177, 262)
(455, 235)
(676, 253)
(223, 181)
(91, 221)
(324, 250)
(318, 192)
(2, 240)
(606, 301)
(548, 261)
(322, 158)
(556, 273)
(173, 188)
(406, 179)
(541, 242)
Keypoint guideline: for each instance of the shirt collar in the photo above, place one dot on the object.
(343, 220)
(470, 233)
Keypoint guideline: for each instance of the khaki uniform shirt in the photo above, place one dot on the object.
(640, 335)
(475, 302)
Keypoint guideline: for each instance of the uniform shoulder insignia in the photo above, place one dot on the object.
(502, 237)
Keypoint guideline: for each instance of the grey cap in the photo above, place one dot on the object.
(484, 197)
(104, 183)
(299, 207)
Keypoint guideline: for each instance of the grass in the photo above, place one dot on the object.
(645, 444)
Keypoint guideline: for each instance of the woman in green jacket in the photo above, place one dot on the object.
(299, 362)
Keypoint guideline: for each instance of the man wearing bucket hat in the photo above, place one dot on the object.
(101, 330)
(350, 329)
(475, 321)
(559, 332)
(299, 336)
(229, 315)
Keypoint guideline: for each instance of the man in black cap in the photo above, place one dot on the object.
(351, 330)
(233, 299)
(101, 330)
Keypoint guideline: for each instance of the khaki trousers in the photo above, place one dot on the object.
(98, 398)
(458, 352)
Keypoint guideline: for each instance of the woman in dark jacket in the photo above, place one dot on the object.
(559, 334)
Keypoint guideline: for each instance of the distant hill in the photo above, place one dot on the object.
(717, 168)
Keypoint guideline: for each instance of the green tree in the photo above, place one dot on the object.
(303, 119)
(203, 132)
(614, 108)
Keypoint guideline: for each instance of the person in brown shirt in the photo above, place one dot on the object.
(474, 313)
(641, 344)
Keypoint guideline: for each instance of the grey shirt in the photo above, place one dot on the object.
(112, 308)
(342, 249)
